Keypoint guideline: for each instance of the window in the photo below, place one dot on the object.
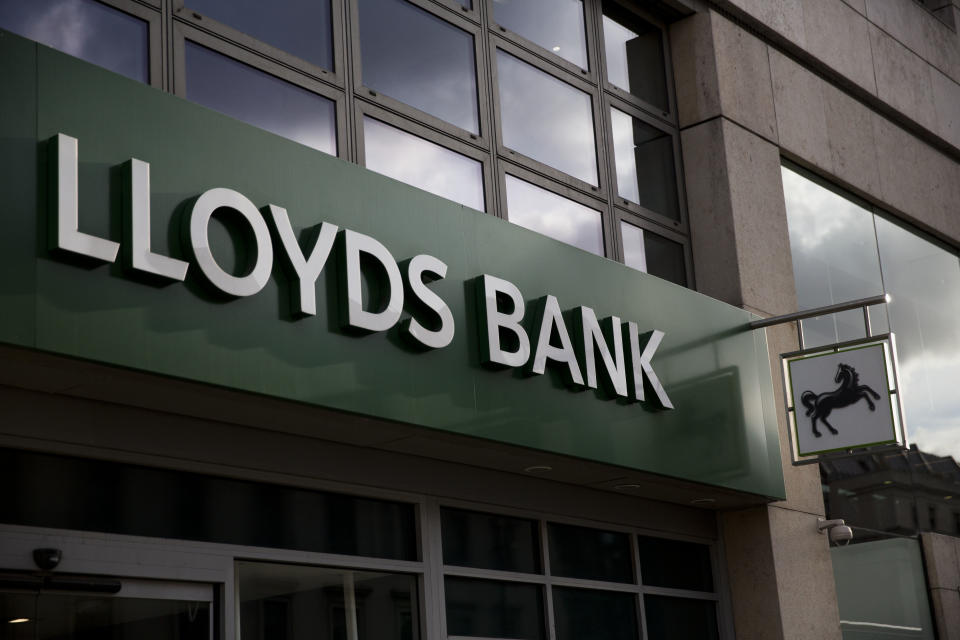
(553, 215)
(86, 29)
(416, 57)
(280, 601)
(238, 90)
(555, 25)
(844, 249)
(301, 27)
(555, 114)
(423, 164)
(497, 586)
(546, 118)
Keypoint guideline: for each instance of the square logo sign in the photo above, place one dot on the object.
(841, 400)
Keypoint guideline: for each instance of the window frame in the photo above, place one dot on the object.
(365, 109)
(680, 225)
(620, 215)
(184, 14)
(183, 32)
(519, 171)
(590, 74)
(668, 117)
(365, 93)
(546, 581)
(507, 153)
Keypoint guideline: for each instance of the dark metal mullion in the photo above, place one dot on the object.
(487, 100)
(352, 140)
(605, 156)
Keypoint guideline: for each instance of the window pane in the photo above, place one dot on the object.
(923, 281)
(86, 29)
(546, 118)
(645, 168)
(301, 27)
(680, 618)
(490, 609)
(260, 99)
(414, 56)
(675, 564)
(582, 614)
(73, 493)
(634, 50)
(653, 254)
(555, 216)
(489, 541)
(291, 602)
(555, 25)
(835, 256)
(423, 164)
(592, 554)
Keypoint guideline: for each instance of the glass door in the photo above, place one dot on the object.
(59, 607)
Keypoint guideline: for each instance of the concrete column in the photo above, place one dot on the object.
(778, 566)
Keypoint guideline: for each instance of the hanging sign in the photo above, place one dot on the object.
(842, 399)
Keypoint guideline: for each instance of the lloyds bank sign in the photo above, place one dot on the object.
(624, 366)
(145, 232)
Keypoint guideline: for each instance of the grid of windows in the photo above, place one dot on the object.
(308, 562)
(518, 578)
(568, 99)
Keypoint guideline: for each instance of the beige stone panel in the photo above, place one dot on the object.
(808, 596)
(802, 483)
(946, 101)
(708, 198)
(917, 179)
(860, 6)
(903, 79)
(694, 69)
(941, 556)
(946, 612)
(751, 574)
(783, 16)
(801, 119)
(853, 150)
(743, 78)
(760, 218)
(942, 45)
(838, 35)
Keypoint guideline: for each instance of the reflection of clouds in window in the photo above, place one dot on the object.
(644, 163)
(634, 55)
(832, 243)
(555, 25)
(423, 164)
(301, 27)
(85, 29)
(924, 283)
(835, 256)
(415, 57)
(260, 99)
(553, 215)
(634, 254)
(546, 118)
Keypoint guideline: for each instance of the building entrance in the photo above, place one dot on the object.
(71, 607)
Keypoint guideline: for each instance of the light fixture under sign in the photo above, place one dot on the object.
(18, 620)
(538, 468)
(703, 501)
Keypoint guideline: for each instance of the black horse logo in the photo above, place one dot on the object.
(850, 391)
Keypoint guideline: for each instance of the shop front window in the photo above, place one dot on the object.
(844, 249)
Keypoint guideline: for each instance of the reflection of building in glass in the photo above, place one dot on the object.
(894, 492)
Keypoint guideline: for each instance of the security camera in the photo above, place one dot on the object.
(839, 531)
(47, 559)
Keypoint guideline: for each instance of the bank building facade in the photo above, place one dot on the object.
(493, 319)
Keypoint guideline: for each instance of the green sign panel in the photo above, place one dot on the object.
(144, 231)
